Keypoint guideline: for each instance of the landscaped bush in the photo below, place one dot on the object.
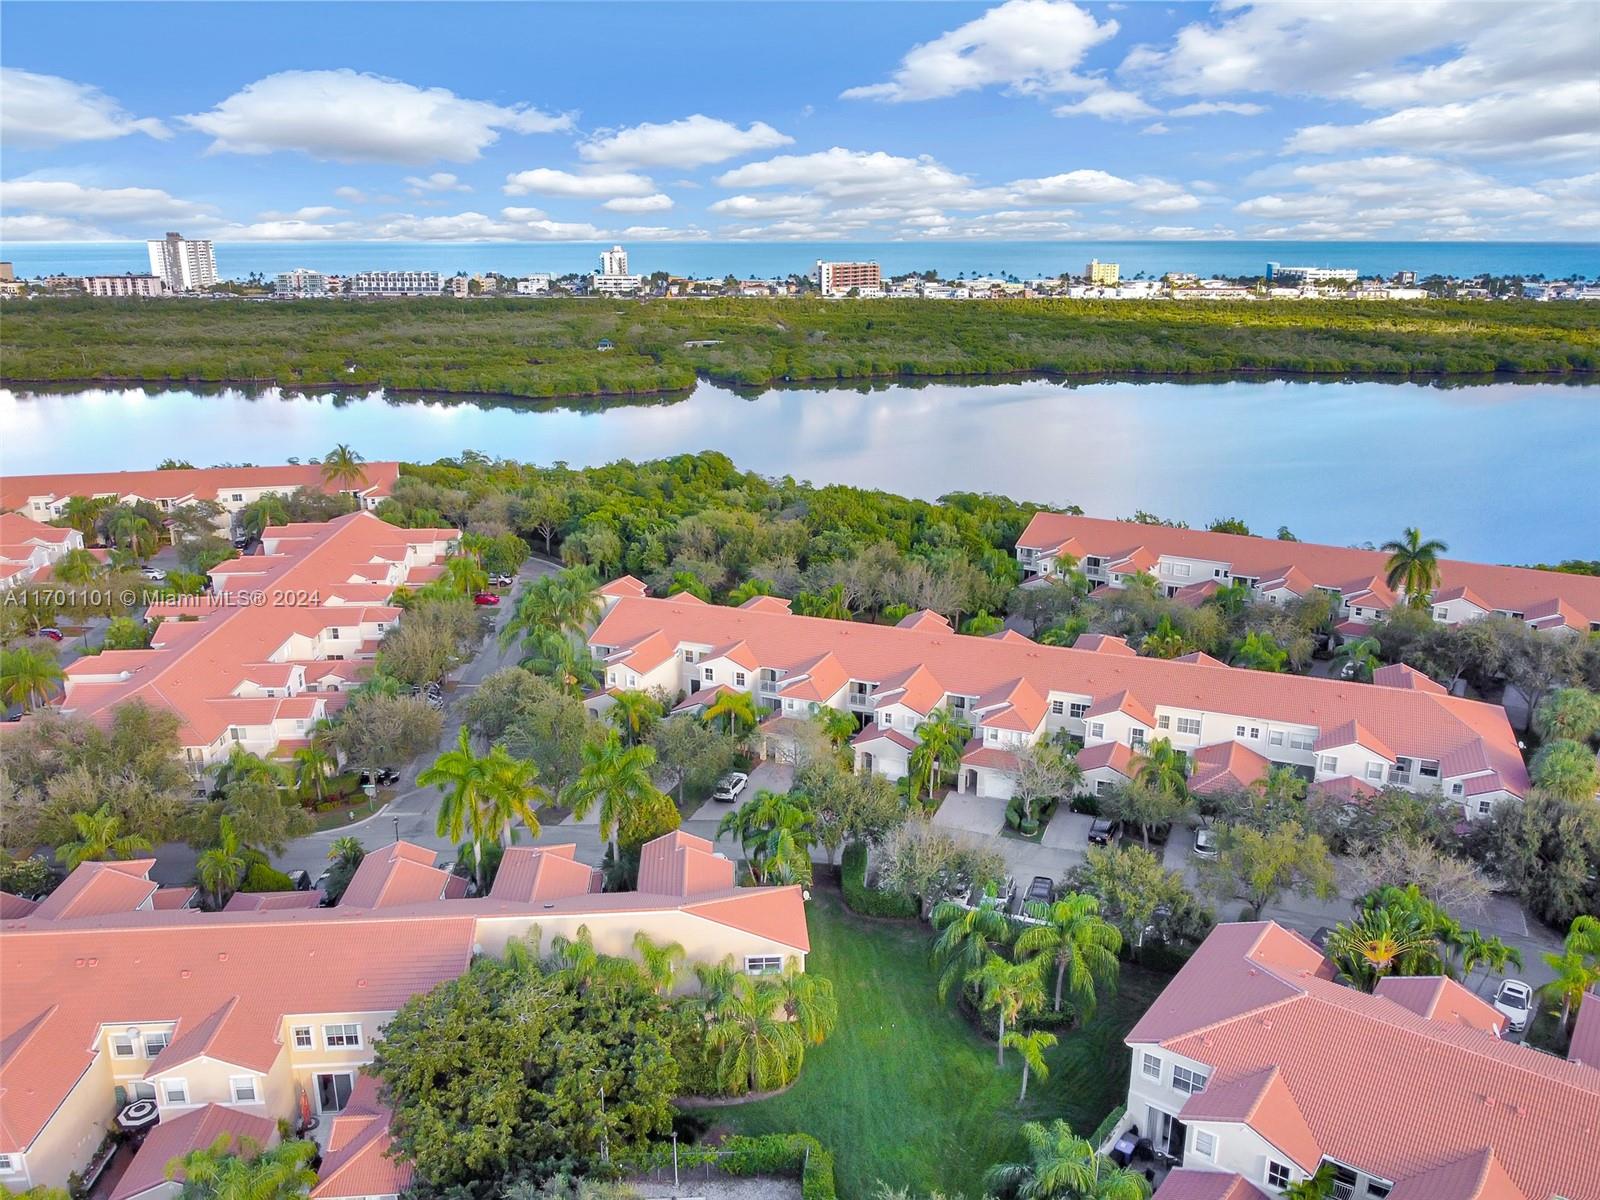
(870, 901)
(768, 1154)
(261, 877)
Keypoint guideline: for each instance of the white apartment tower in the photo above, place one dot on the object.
(183, 265)
(612, 278)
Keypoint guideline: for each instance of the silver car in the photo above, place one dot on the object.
(729, 787)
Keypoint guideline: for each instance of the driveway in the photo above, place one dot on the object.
(1068, 831)
(974, 814)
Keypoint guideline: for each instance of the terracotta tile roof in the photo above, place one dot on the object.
(977, 754)
(705, 698)
(1262, 1101)
(626, 585)
(97, 888)
(817, 679)
(168, 899)
(1123, 702)
(356, 1161)
(1105, 643)
(1462, 592)
(776, 913)
(1398, 675)
(12, 907)
(271, 901)
(735, 652)
(1512, 589)
(680, 864)
(17, 530)
(1381, 1088)
(1011, 635)
(209, 1037)
(1441, 999)
(198, 483)
(398, 874)
(1557, 614)
(1346, 788)
(1193, 595)
(1477, 1175)
(1106, 754)
(1354, 733)
(1014, 705)
(1226, 766)
(197, 1129)
(1201, 658)
(1186, 1183)
(767, 604)
(876, 733)
(533, 874)
(915, 687)
(1585, 1045)
(925, 619)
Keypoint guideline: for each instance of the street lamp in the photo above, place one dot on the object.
(397, 827)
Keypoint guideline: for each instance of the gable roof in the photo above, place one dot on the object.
(1226, 766)
(197, 1129)
(399, 874)
(1262, 1100)
(1439, 998)
(191, 483)
(356, 1161)
(680, 864)
(104, 887)
(1187, 1183)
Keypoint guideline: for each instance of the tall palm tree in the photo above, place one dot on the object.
(134, 531)
(510, 793)
(659, 962)
(967, 938)
(564, 661)
(1062, 1166)
(737, 708)
(1010, 989)
(1077, 942)
(776, 832)
(83, 512)
(634, 713)
(940, 740)
(463, 778)
(99, 837)
(241, 766)
(1489, 953)
(465, 575)
(756, 1046)
(808, 1001)
(28, 676)
(1583, 938)
(342, 468)
(226, 1170)
(1162, 768)
(1031, 1046)
(1378, 943)
(614, 776)
(312, 766)
(76, 567)
(1413, 565)
(220, 868)
(837, 726)
(268, 510)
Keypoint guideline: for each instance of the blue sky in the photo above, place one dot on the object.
(1030, 119)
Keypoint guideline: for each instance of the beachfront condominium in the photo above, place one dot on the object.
(182, 264)
(612, 277)
(124, 285)
(300, 283)
(1278, 273)
(840, 278)
(1102, 274)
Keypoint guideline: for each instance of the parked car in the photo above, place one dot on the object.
(729, 787)
(1513, 1000)
(1041, 891)
(154, 574)
(1103, 831)
(488, 598)
(1205, 842)
(502, 580)
(388, 777)
(301, 880)
(51, 632)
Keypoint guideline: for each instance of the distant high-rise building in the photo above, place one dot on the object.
(181, 264)
(6, 273)
(614, 261)
(613, 277)
(1104, 274)
(838, 278)
(124, 285)
(301, 282)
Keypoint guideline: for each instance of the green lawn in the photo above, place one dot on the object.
(905, 1091)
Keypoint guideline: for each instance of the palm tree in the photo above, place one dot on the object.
(220, 868)
(755, 1045)
(1165, 640)
(99, 837)
(28, 676)
(1583, 938)
(1258, 651)
(1011, 989)
(1413, 566)
(968, 937)
(241, 766)
(808, 1001)
(134, 531)
(465, 575)
(83, 512)
(837, 726)
(1077, 942)
(1231, 599)
(1490, 953)
(748, 589)
(578, 960)
(342, 467)
(940, 740)
(76, 567)
(223, 1172)
(659, 962)
(615, 776)
(566, 662)
(716, 981)
(1379, 943)
(463, 778)
(347, 850)
(1573, 977)
(1320, 1186)
(312, 766)
(1031, 1045)
(510, 793)
(738, 707)
(1569, 714)
(775, 831)
(1163, 770)
(633, 713)
(1062, 1166)
(269, 509)
(1362, 655)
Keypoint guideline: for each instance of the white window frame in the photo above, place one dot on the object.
(1097, 729)
(1275, 738)
(1077, 711)
(155, 1043)
(1186, 1080)
(1328, 764)
(1058, 708)
(343, 1026)
(738, 679)
(708, 674)
(1302, 741)
(294, 1038)
(1189, 725)
(763, 964)
(1164, 721)
(169, 1086)
(1375, 771)
(1278, 1175)
(248, 1082)
(9, 1164)
(119, 1041)
(134, 1087)
(1201, 1138)
(1148, 1061)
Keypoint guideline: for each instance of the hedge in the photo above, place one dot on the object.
(1098, 1137)
(868, 901)
(768, 1154)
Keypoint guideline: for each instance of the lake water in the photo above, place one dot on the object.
(1502, 471)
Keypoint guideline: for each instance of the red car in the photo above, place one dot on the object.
(486, 598)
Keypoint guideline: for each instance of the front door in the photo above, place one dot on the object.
(333, 1091)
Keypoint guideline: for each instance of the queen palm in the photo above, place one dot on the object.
(1009, 989)
(220, 868)
(510, 793)
(465, 575)
(1413, 565)
(660, 963)
(748, 589)
(241, 766)
(84, 512)
(1362, 655)
(776, 835)
(1077, 942)
(76, 567)
(808, 1001)
(940, 740)
(266, 511)
(1573, 977)
(226, 1170)
(1583, 938)
(837, 726)
(1062, 1166)
(614, 776)
(134, 531)
(1031, 1045)
(1165, 640)
(716, 981)
(463, 777)
(737, 709)
(347, 850)
(312, 766)
(565, 662)
(99, 837)
(1162, 768)
(342, 468)
(968, 937)
(634, 713)
(756, 1046)
(28, 676)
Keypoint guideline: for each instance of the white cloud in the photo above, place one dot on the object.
(312, 212)
(1072, 187)
(514, 224)
(33, 227)
(1156, 127)
(838, 173)
(1207, 108)
(46, 110)
(353, 194)
(289, 230)
(439, 181)
(1029, 46)
(658, 202)
(1108, 104)
(351, 116)
(760, 207)
(63, 197)
(692, 142)
(547, 181)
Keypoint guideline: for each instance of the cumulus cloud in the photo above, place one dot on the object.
(547, 181)
(695, 141)
(1083, 186)
(36, 227)
(842, 174)
(439, 181)
(47, 110)
(1207, 108)
(761, 207)
(351, 116)
(1109, 104)
(513, 224)
(311, 212)
(1028, 46)
(657, 202)
(65, 197)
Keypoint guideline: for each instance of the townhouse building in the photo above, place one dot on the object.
(28, 549)
(1403, 730)
(1254, 1068)
(265, 1012)
(44, 497)
(1191, 564)
(271, 649)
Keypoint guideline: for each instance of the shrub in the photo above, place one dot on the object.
(870, 901)
(768, 1154)
(262, 877)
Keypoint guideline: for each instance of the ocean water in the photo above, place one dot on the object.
(773, 259)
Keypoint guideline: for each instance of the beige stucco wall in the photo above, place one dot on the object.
(75, 1130)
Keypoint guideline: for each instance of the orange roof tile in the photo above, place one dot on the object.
(199, 483)
(1441, 999)
(680, 864)
(1105, 643)
(532, 874)
(271, 901)
(1262, 1101)
(1226, 766)
(197, 1129)
(1585, 1044)
(357, 1160)
(97, 888)
(401, 873)
(1186, 1183)
(1398, 675)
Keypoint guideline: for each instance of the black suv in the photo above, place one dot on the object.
(1103, 831)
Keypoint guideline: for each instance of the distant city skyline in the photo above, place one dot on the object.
(1029, 120)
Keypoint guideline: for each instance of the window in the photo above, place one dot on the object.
(1136, 738)
(238, 497)
(1458, 789)
(244, 1089)
(1238, 731)
(1428, 768)
(1205, 1145)
(991, 735)
(1164, 721)
(1078, 711)
(1189, 1081)
(8, 1164)
(1275, 738)
(1328, 765)
(334, 633)
(122, 1046)
(1058, 707)
(175, 1091)
(1255, 732)
(1278, 1175)
(1441, 614)
(1485, 807)
(1179, 570)
(302, 1037)
(1302, 741)
(138, 1089)
(1101, 787)
(1379, 1190)
(738, 678)
(1150, 1064)
(1097, 729)
(1189, 725)
(155, 1043)
(336, 1037)
(1375, 771)
(763, 964)
(709, 674)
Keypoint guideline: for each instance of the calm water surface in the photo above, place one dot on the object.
(1502, 471)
